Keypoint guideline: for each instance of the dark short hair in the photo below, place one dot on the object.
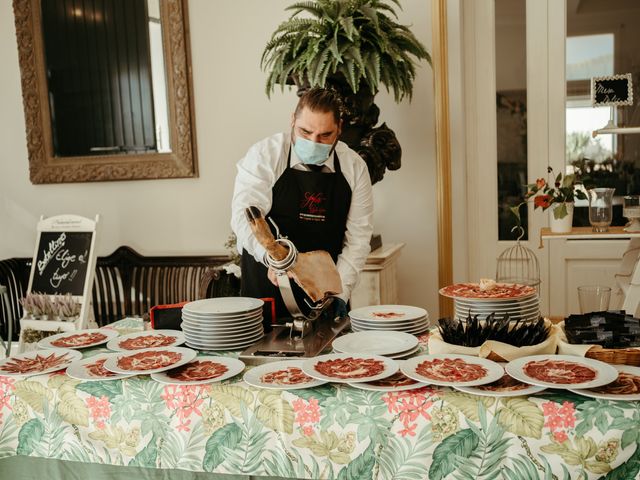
(319, 99)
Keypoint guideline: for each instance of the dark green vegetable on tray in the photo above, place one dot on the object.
(473, 332)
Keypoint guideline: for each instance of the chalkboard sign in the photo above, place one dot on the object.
(612, 90)
(61, 263)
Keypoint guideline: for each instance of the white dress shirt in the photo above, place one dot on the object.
(258, 172)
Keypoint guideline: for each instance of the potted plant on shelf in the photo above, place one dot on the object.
(559, 195)
(353, 46)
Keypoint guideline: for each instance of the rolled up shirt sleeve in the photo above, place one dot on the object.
(257, 172)
(358, 230)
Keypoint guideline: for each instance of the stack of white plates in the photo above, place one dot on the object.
(400, 318)
(377, 342)
(224, 323)
(525, 309)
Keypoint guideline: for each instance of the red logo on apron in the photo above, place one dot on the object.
(312, 207)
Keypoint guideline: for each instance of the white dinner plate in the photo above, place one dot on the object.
(628, 380)
(603, 373)
(283, 370)
(390, 325)
(201, 370)
(147, 339)
(236, 345)
(506, 303)
(221, 320)
(38, 362)
(478, 308)
(398, 382)
(78, 339)
(380, 367)
(223, 305)
(92, 369)
(479, 370)
(414, 330)
(223, 334)
(391, 313)
(524, 293)
(222, 326)
(492, 390)
(177, 355)
(375, 342)
(224, 337)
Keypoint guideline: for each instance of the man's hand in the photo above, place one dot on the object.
(273, 277)
(339, 307)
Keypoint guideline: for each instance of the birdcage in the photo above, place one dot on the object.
(518, 264)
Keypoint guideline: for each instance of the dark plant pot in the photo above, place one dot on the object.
(378, 146)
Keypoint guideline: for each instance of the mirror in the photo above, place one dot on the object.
(107, 89)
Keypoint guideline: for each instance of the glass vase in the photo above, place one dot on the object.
(600, 208)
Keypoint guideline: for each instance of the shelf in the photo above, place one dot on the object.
(615, 130)
(586, 233)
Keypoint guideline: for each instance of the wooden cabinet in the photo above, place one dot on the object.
(378, 281)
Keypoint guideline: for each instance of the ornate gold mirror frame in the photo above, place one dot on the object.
(44, 167)
(443, 151)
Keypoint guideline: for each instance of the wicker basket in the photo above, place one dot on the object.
(615, 356)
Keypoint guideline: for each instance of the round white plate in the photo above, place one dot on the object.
(406, 354)
(524, 308)
(494, 371)
(222, 320)
(206, 345)
(399, 312)
(479, 390)
(390, 325)
(524, 294)
(115, 344)
(389, 384)
(309, 367)
(605, 373)
(220, 326)
(505, 303)
(186, 355)
(223, 305)
(254, 376)
(624, 369)
(375, 342)
(78, 336)
(233, 367)
(224, 337)
(414, 330)
(22, 365)
(87, 369)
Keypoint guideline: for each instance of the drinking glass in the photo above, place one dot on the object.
(631, 210)
(593, 298)
(600, 208)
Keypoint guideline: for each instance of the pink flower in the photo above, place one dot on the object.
(307, 414)
(560, 436)
(409, 430)
(540, 183)
(99, 410)
(185, 400)
(307, 430)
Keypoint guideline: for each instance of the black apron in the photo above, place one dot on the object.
(310, 209)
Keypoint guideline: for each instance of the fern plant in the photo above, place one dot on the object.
(358, 39)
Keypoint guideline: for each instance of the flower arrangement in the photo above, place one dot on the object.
(62, 307)
(561, 191)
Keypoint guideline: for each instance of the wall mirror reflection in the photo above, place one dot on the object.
(107, 89)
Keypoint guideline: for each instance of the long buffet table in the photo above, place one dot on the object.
(52, 426)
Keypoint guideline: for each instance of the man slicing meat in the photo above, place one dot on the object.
(315, 188)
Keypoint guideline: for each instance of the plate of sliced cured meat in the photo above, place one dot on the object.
(395, 383)
(502, 291)
(92, 369)
(625, 387)
(505, 386)
(562, 371)
(38, 362)
(78, 339)
(201, 370)
(349, 367)
(148, 339)
(451, 369)
(284, 375)
(149, 360)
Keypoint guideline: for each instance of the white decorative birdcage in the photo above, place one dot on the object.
(518, 264)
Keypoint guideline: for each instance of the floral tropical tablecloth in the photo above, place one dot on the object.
(332, 431)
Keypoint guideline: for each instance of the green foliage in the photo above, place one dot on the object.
(356, 38)
(404, 458)
(30, 435)
(109, 389)
(147, 456)
(226, 437)
(520, 468)
(448, 455)
(361, 468)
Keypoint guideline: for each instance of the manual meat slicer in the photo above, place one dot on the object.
(310, 329)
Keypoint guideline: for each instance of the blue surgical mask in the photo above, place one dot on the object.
(311, 153)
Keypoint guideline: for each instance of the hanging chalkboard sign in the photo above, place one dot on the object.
(612, 90)
(61, 263)
(64, 262)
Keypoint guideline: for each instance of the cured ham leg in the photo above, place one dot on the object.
(315, 272)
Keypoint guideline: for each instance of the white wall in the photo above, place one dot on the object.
(191, 216)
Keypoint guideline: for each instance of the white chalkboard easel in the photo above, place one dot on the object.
(64, 261)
